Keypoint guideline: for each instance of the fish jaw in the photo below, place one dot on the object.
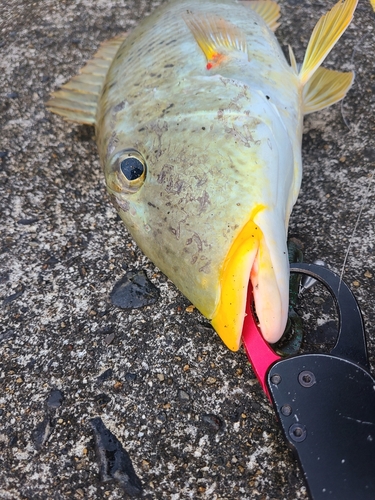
(257, 254)
(270, 276)
(230, 312)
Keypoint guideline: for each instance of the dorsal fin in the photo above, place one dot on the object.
(325, 88)
(77, 100)
(326, 33)
(215, 36)
(268, 9)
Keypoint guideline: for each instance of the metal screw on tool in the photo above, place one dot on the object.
(308, 281)
(306, 378)
(297, 432)
(276, 379)
(286, 410)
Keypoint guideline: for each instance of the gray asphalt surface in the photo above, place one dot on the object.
(190, 413)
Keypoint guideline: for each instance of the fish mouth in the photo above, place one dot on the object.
(258, 254)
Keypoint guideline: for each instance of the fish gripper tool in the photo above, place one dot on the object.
(325, 403)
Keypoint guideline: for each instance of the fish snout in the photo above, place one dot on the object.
(270, 276)
(258, 254)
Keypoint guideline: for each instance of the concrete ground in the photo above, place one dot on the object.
(190, 413)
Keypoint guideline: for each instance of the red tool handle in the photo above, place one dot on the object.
(260, 354)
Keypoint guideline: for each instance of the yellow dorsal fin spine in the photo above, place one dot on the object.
(292, 58)
(326, 33)
(214, 34)
(268, 9)
(325, 88)
(77, 100)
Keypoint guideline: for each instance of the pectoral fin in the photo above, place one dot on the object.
(77, 100)
(215, 36)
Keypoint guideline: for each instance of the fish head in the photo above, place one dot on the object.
(204, 188)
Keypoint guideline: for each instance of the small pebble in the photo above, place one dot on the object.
(145, 465)
(356, 283)
(109, 338)
(13, 439)
(130, 377)
(160, 377)
(55, 399)
(213, 422)
(368, 274)
(318, 301)
(114, 460)
(211, 380)
(42, 432)
(27, 222)
(133, 291)
(161, 418)
(183, 395)
(106, 375)
(102, 399)
(190, 309)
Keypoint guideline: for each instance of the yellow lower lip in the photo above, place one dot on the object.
(230, 312)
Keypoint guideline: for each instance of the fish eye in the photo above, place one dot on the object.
(132, 168)
(127, 171)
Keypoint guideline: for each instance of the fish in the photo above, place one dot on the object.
(199, 117)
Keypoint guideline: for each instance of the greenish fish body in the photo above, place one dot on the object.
(199, 124)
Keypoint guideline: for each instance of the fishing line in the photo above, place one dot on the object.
(357, 78)
(364, 200)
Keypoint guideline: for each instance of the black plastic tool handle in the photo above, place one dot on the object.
(351, 339)
(326, 404)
